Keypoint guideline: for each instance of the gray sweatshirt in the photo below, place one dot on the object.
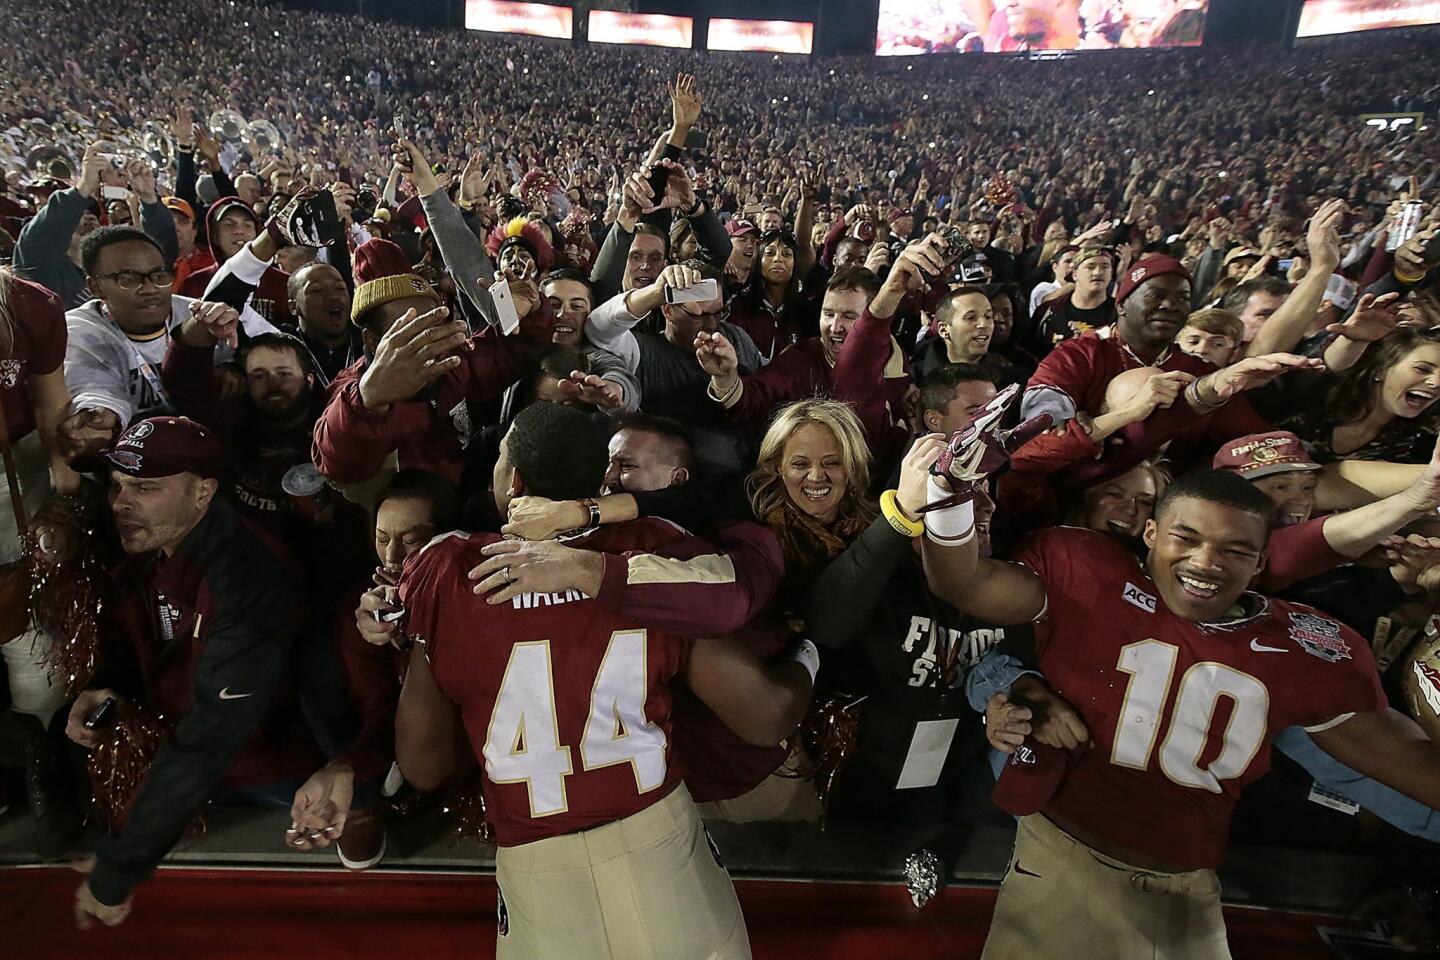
(107, 370)
(464, 254)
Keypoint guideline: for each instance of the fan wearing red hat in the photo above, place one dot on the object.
(410, 393)
(1302, 545)
(744, 240)
(220, 600)
(1153, 298)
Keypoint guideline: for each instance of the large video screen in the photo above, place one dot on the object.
(644, 29)
(506, 16)
(1010, 26)
(771, 36)
(1319, 18)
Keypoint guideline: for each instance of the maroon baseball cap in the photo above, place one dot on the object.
(739, 227)
(1147, 269)
(1262, 454)
(1030, 778)
(165, 446)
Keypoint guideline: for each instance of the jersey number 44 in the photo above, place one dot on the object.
(522, 743)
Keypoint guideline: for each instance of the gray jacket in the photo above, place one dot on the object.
(106, 370)
(42, 252)
(464, 254)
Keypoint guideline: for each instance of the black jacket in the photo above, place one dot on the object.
(210, 630)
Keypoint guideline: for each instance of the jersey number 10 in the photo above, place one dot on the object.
(522, 743)
(1151, 667)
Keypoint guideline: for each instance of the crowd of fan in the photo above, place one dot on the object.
(1181, 257)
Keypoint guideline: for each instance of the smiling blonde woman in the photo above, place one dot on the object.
(809, 485)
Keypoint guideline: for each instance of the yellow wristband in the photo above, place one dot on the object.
(1406, 279)
(903, 525)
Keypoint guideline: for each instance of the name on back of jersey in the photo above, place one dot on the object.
(532, 601)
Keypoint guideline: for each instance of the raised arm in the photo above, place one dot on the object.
(464, 254)
(1001, 593)
(1353, 532)
(1286, 326)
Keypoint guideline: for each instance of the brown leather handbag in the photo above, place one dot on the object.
(14, 577)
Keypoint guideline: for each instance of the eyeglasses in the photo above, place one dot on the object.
(132, 279)
(720, 315)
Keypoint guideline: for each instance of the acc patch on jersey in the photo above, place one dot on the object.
(1318, 635)
(1134, 595)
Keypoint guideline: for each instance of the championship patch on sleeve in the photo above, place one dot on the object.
(1318, 635)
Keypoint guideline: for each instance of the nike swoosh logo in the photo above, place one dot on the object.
(227, 695)
(1259, 647)
(1022, 871)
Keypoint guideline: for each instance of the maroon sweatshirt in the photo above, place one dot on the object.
(1082, 369)
(870, 375)
(430, 431)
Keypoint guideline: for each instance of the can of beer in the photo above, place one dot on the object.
(308, 492)
(1406, 225)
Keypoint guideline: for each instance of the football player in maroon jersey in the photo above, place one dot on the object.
(567, 706)
(1180, 678)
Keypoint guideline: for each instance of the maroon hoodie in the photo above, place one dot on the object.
(271, 299)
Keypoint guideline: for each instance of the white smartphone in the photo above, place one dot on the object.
(505, 306)
(1340, 291)
(699, 293)
(114, 193)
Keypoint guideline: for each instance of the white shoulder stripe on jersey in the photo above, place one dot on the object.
(708, 568)
(443, 536)
(1322, 727)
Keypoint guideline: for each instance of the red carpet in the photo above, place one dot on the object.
(214, 914)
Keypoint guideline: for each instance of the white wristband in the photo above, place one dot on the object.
(808, 656)
(951, 526)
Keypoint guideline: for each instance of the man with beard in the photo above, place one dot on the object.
(205, 613)
(266, 429)
(117, 341)
(1153, 298)
(48, 250)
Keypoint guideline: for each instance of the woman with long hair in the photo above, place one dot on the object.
(1382, 408)
(810, 481)
(772, 307)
